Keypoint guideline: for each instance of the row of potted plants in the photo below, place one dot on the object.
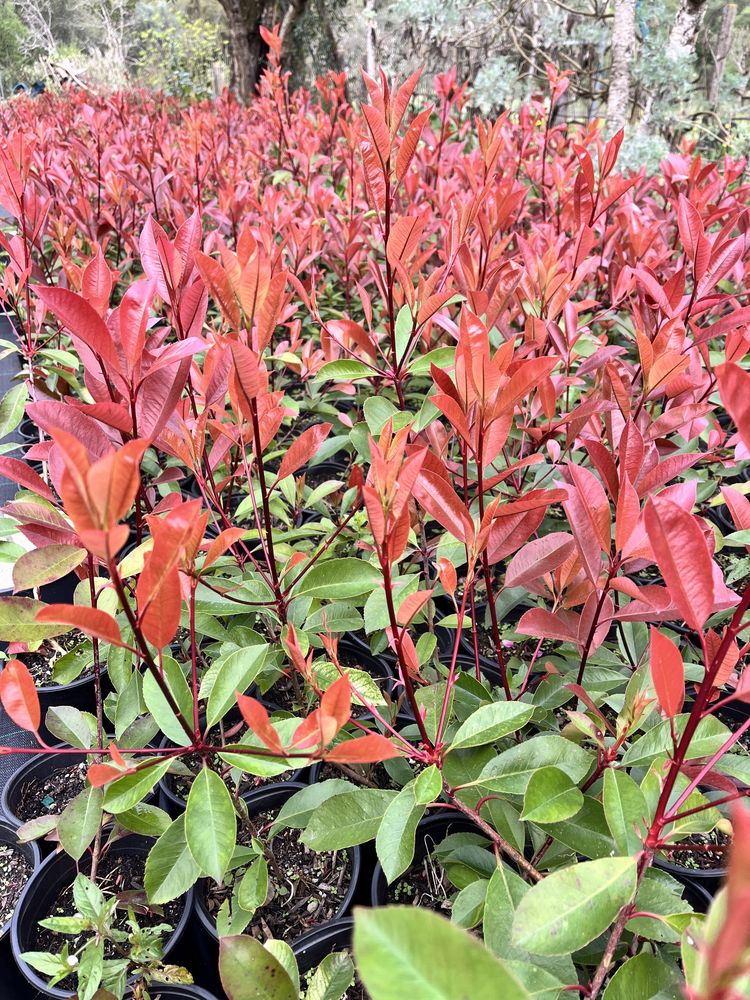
(391, 476)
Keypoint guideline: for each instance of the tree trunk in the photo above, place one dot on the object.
(286, 31)
(623, 50)
(329, 36)
(723, 45)
(685, 28)
(372, 60)
(244, 18)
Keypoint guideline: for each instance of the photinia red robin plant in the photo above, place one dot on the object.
(383, 481)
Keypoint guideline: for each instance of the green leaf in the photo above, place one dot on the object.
(406, 951)
(540, 984)
(468, 906)
(348, 819)
(339, 578)
(644, 977)
(491, 722)
(443, 357)
(236, 673)
(80, 820)
(211, 824)
(143, 818)
(550, 797)
(170, 867)
(709, 736)
(403, 330)
(298, 809)
(505, 891)
(394, 843)
(18, 624)
(254, 886)
(344, 371)
(571, 907)
(429, 784)
(585, 833)
(126, 792)
(511, 770)
(71, 726)
(332, 978)
(284, 955)
(11, 408)
(378, 411)
(250, 972)
(159, 707)
(40, 566)
(625, 809)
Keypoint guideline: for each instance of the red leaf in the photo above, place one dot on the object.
(83, 321)
(546, 625)
(303, 449)
(412, 604)
(220, 288)
(682, 556)
(441, 501)
(221, 543)
(540, 556)
(159, 600)
(256, 717)
(19, 472)
(667, 673)
(96, 283)
(19, 696)
(366, 750)
(734, 388)
(93, 621)
(335, 708)
(101, 774)
(409, 143)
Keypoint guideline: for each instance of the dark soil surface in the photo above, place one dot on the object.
(424, 884)
(306, 887)
(41, 663)
(283, 695)
(372, 775)
(50, 795)
(710, 855)
(180, 784)
(120, 875)
(15, 871)
(732, 723)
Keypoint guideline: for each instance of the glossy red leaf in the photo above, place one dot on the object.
(682, 555)
(667, 673)
(303, 449)
(365, 750)
(19, 696)
(92, 621)
(256, 717)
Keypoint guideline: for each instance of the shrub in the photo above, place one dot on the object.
(529, 372)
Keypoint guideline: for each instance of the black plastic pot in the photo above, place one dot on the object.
(39, 766)
(698, 896)
(709, 880)
(313, 947)
(380, 667)
(80, 694)
(30, 851)
(42, 892)
(174, 992)
(430, 832)
(205, 938)
(175, 805)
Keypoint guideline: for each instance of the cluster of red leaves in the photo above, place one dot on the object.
(218, 253)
